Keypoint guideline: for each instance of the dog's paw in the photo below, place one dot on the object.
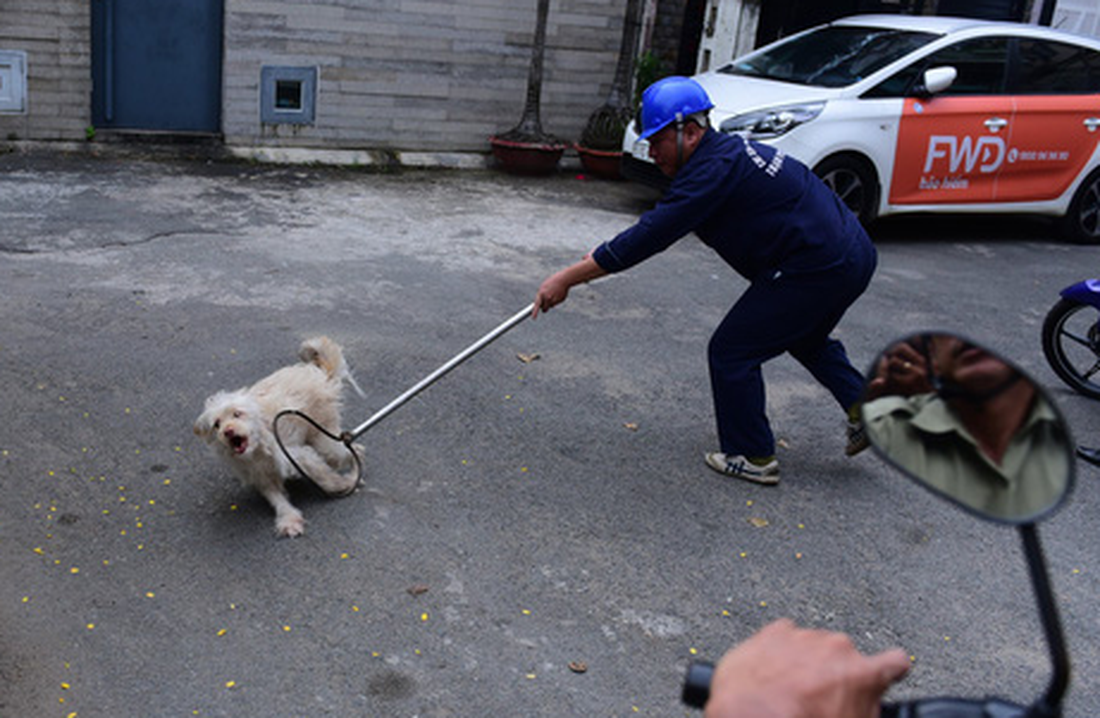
(290, 526)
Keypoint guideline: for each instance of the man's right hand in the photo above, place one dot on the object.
(788, 672)
(555, 288)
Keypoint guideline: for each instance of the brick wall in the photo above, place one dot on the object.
(56, 35)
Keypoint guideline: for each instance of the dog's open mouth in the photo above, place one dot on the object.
(238, 443)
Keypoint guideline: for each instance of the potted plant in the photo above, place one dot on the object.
(526, 148)
(600, 146)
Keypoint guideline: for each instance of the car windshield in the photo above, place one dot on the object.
(832, 56)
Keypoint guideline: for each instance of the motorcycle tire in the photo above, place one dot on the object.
(1071, 344)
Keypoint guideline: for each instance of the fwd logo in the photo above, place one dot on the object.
(987, 153)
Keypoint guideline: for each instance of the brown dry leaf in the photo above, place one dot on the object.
(578, 666)
(758, 522)
(631, 426)
(527, 358)
(417, 589)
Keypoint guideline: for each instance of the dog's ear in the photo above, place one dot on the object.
(204, 425)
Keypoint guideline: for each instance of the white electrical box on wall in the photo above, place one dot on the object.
(13, 81)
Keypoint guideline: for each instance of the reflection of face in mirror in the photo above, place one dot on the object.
(969, 424)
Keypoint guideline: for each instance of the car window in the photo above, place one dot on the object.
(833, 56)
(982, 64)
(1048, 67)
(900, 84)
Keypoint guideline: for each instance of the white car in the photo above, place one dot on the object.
(916, 114)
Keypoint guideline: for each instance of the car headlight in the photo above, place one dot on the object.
(771, 123)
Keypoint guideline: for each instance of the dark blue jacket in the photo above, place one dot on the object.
(759, 209)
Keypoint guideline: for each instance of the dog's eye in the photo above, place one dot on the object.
(217, 424)
(237, 414)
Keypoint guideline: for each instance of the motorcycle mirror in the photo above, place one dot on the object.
(974, 428)
(970, 426)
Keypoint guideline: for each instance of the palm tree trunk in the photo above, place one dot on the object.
(624, 70)
(605, 127)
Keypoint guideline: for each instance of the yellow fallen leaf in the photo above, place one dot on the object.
(758, 522)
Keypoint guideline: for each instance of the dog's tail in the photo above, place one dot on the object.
(326, 354)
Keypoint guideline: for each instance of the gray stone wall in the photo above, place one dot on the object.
(417, 74)
(394, 75)
(56, 36)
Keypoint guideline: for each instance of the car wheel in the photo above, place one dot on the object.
(1081, 222)
(854, 181)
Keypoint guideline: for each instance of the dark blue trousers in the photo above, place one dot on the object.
(785, 313)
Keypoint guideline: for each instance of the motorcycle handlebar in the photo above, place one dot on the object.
(697, 684)
(699, 675)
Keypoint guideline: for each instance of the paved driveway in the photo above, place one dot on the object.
(521, 519)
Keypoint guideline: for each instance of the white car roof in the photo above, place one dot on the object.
(926, 23)
(953, 25)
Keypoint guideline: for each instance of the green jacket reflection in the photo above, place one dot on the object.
(923, 436)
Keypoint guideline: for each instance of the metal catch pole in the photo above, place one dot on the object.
(438, 373)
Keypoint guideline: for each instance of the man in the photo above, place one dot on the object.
(775, 223)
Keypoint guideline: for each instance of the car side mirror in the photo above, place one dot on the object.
(935, 80)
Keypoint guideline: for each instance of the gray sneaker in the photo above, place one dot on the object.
(857, 437)
(740, 467)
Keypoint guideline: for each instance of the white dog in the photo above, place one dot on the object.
(239, 426)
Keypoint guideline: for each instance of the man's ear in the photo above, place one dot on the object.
(693, 131)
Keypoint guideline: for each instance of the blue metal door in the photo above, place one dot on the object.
(156, 65)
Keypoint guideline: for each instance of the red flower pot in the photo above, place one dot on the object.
(526, 158)
(605, 164)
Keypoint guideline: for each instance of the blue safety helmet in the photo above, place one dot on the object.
(672, 99)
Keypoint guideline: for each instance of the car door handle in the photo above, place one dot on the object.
(995, 124)
(1092, 123)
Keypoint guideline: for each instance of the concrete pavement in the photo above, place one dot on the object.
(519, 518)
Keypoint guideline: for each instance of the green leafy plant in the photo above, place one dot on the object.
(647, 72)
(89, 133)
